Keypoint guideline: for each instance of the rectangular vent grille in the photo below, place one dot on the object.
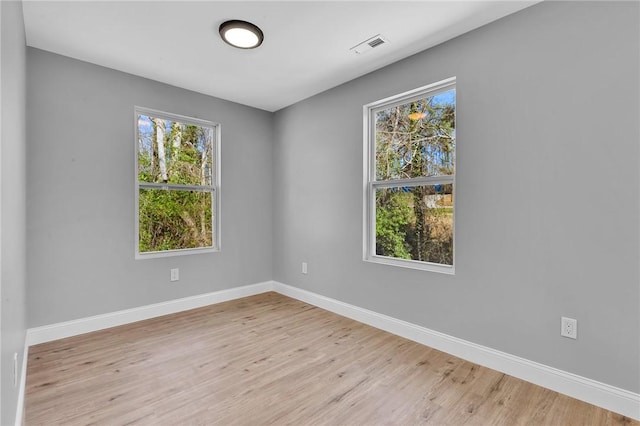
(376, 42)
(369, 44)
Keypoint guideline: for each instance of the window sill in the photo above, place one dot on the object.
(173, 253)
(412, 264)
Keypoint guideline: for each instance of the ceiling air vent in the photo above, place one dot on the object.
(367, 45)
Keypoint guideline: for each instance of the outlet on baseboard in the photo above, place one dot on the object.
(175, 274)
(569, 327)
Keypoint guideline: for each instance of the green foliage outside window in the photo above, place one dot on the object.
(175, 177)
(173, 220)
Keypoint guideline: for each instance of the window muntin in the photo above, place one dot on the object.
(409, 182)
(177, 184)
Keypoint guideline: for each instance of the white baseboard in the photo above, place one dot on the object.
(61, 330)
(608, 397)
(22, 385)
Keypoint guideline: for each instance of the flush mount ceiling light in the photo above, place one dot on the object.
(241, 34)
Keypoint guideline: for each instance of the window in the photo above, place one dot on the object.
(177, 184)
(410, 142)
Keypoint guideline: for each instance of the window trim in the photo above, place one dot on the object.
(370, 184)
(214, 188)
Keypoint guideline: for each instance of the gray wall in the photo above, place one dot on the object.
(547, 190)
(80, 193)
(12, 178)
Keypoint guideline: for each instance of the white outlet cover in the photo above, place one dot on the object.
(175, 274)
(569, 327)
(15, 369)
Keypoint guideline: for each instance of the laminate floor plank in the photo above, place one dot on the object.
(272, 360)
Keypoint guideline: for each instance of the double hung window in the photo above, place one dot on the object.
(410, 147)
(177, 184)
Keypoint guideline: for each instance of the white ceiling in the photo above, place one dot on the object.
(306, 48)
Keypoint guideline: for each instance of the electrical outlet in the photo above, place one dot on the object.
(569, 328)
(15, 369)
(304, 267)
(175, 274)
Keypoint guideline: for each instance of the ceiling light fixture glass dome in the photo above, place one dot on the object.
(241, 34)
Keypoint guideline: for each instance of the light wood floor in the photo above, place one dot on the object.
(269, 359)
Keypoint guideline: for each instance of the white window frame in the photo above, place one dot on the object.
(214, 188)
(371, 184)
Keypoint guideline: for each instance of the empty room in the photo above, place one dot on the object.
(319, 212)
